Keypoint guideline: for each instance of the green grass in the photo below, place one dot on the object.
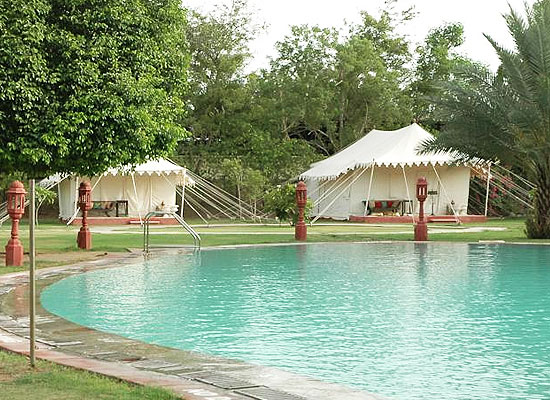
(56, 243)
(58, 238)
(18, 381)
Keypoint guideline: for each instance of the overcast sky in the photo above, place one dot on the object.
(477, 16)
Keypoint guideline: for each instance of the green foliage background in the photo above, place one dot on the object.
(87, 85)
(323, 89)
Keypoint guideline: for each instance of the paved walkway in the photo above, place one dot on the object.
(191, 375)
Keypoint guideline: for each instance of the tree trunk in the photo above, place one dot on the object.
(538, 223)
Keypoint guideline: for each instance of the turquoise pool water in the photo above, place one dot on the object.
(408, 321)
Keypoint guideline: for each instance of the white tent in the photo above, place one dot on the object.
(381, 170)
(148, 187)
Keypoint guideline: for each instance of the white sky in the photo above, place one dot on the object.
(477, 16)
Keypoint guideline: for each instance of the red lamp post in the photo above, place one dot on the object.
(16, 208)
(421, 228)
(300, 230)
(84, 238)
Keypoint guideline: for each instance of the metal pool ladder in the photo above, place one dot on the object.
(181, 221)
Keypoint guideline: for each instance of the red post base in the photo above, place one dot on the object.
(14, 253)
(421, 232)
(300, 232)
(84, 239)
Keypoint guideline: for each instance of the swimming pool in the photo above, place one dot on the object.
(404, 320)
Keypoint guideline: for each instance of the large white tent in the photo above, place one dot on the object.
(148, 187)
(381, 169)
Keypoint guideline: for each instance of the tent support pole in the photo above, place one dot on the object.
(337, 197)
(196, 212)
(408, 192)
(183, 192)
(335, 186)
(447, 196)
(137, 198)
(32, 280)
(76, 209)
(98, 180)
(369, 192)
(488, 188)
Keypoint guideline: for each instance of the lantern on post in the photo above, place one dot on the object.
(300, 230)
(421, 228)
(16, 208)
(84, 238)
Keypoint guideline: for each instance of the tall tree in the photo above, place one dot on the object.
(218, 96)
(437, 60)
(229, 117)
(330, 88)
(300, 86)
(506, 116)
(87, 85)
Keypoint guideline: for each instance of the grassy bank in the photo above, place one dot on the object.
(56, 243)
(52, 382)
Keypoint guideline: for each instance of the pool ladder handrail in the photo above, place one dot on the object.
(180, 220)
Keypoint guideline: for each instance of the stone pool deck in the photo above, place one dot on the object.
(192, 375)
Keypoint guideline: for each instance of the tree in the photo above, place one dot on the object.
(218, 97)
(249, 183)
(87, 85)
(506, 116)
(330, 88)
(437, 61)
(301, 83)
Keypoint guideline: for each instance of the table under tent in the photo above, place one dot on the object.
(126, 195)
(376, 176)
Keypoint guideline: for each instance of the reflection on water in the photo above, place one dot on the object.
(406, 320)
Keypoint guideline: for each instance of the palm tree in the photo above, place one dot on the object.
(506, 116)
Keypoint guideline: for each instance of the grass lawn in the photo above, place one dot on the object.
(56, 245)
(52, 382)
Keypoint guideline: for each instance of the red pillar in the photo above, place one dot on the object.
(16, 208)
(421, 228)
(84, 238)
(300, 230)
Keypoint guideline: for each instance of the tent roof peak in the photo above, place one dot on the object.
(383, 149)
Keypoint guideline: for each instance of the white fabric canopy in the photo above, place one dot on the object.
(146, 187)
(158, 167)
(381, 148)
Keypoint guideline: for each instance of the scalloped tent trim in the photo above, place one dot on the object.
(153, 167)
(383, 149)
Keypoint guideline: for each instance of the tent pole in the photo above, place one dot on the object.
(488, 188)
(369, 192)
(446, 195)
(75, 192)
(336, 185)
(408, 192)
(183, 192)
(98, 180)
(192, 208)
(338, 196)
(137, 198)
(32, 280)
(76, 209)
